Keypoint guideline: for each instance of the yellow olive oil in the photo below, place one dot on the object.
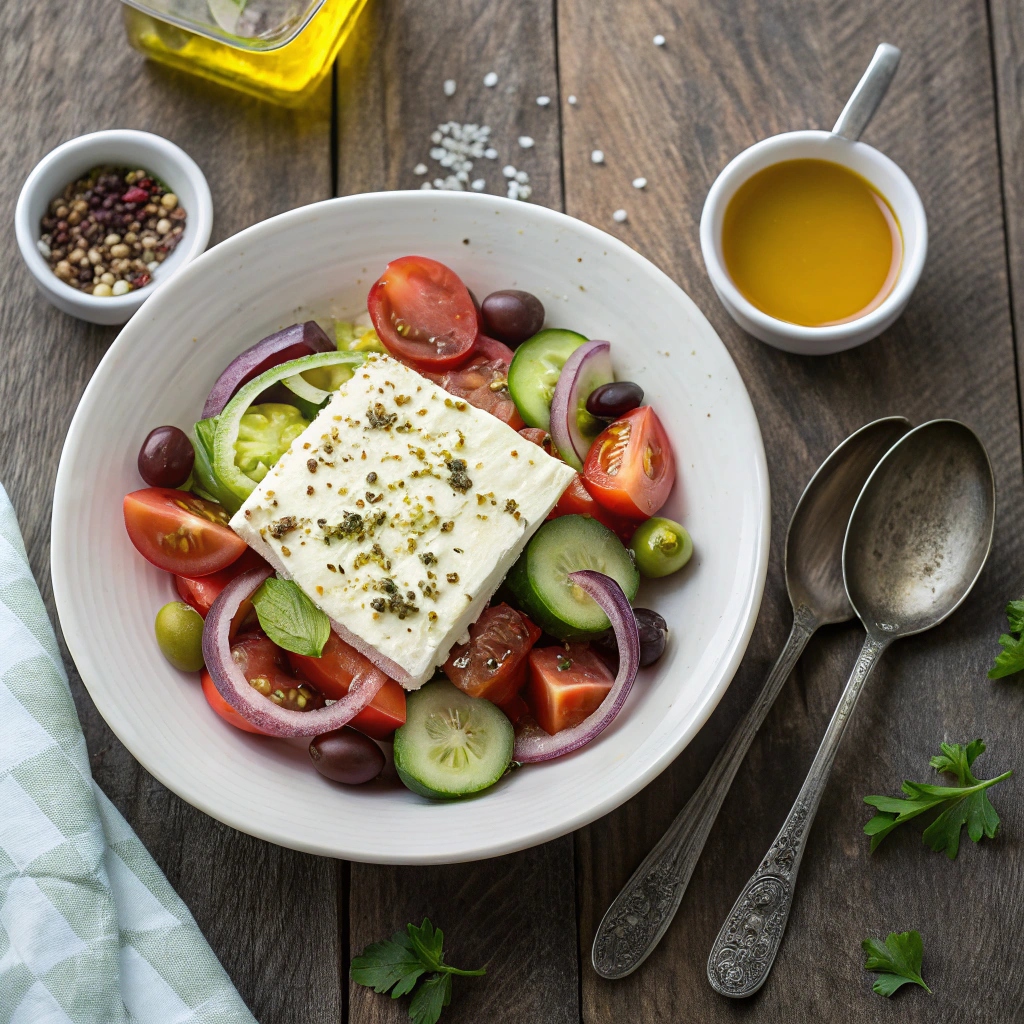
(811, 242)
(287, 75)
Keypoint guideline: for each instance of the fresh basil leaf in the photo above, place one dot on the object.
(290, 619)
(392, 962)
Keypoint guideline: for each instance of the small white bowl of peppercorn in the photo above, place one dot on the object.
(105, 219)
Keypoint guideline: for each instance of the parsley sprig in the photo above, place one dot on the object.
(410, 958)
(963, 804)
(896, 963)
(1010, 660)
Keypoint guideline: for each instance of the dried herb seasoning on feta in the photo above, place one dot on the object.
(395, 521)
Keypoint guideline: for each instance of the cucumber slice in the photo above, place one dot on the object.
(539, 579)
(534, 372)
(451, 744)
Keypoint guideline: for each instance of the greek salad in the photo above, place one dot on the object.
(427, 530)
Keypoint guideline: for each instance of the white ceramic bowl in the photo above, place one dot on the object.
(121, 148)
(320, 261)
(868, 162)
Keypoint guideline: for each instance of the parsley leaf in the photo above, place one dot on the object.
(964, 804)
(400, 963)
(290, 619)
(896, 962)
(1010, 660)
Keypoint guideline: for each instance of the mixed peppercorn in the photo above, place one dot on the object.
(107, 233)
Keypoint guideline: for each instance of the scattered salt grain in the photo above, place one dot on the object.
(425, 185)
(449, 87)
(491, 153)
(639, 183)
(659, 40)
(509, 171)
(572, 101)
(436, 137)
(525, 142)
(597, 157)
(420, 169)
(619, 216)
(543, 101)
(491, 79)
(478, 185)
(522, 177)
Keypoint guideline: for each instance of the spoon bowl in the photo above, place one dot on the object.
(814, 544)
(921, 530)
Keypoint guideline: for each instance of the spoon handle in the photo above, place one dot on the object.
(746, 946)
(639, 916)
(869, 93)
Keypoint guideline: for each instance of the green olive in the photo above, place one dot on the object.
(660, 547)
(179, 634)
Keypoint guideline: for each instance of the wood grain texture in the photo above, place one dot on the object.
(729, 75)
(66, 70)
(1007, 31)
(517, 912)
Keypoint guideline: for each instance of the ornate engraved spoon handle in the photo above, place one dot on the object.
(639, 916)
(746, 946)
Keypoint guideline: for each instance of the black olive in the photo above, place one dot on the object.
(512, 316)
(610, 401)
(166, 457)
(346, 756)
(653, 634)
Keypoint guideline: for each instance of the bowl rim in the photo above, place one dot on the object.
(198, 235)
(726, 665)
(739, 170)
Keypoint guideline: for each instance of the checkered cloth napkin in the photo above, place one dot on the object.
(90, 930)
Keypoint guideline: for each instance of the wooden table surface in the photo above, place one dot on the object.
(285, 924)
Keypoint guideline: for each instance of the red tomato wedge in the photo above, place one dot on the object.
(483, 383)
(493, 663)
(179, 532)
(576, 500)
(332, 674)
(630, 468)
(491, 348)
(539, 437)
(224, 709)
(566, 685)
(202, 591)
(515, 709)
(423, 313)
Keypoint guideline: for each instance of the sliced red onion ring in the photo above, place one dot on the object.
(587, 368)
(536, 745)
(292, 342)
(222, 620)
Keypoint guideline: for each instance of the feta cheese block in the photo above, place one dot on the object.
(399, 510)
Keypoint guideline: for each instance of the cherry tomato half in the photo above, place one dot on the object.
(179, 532)
(423, 313)
(576, 500)
(493, 663)
(630, 468)
(202, 591)
(332, 674)
(483, 383)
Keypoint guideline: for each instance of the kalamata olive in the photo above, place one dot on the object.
(610, 401)
(347, 756)
(166, 457)
(512, 316)
(653, 634)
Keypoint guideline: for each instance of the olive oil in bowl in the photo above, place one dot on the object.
(811, 242)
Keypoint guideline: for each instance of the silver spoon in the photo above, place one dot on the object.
(637, 919)
(917, 541)
(869, 92)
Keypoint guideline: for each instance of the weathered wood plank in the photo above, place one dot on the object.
(729, 75)
(516, 913)
(67, 69)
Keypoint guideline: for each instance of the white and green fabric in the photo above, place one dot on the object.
(90, 930)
